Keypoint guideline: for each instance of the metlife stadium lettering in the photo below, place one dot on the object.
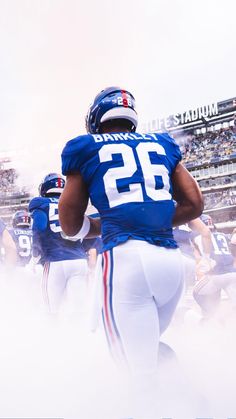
(195, 114)
(179, 119)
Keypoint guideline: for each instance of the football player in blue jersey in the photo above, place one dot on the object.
(22, 236)
(64, 262)
(217, 276)
(7, 246)
(132, 180)
(185, 236)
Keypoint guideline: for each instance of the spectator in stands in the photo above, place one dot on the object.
(219, 199)
(7, 180)
(211, 145)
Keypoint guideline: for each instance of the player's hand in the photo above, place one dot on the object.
(32, 263)
(204, 265)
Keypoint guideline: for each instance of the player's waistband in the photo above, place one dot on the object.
(138, 243)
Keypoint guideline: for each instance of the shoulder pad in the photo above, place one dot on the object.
(75, 144)
(75, 153)
(166, 137)
(38, 203)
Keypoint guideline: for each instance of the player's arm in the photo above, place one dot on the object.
(9, 248)
(37, 250)
(72, 206)
(39, 225)
(199, 227)
(203, 257)
(188, 196)
(40, 220)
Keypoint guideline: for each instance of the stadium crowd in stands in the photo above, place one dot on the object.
(7, 180)
(209, 147)
(220, 199)
(8, 185)
(221, 181)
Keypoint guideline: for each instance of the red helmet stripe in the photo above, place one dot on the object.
(125, 98)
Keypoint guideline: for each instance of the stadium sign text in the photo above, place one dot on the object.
(183, 118)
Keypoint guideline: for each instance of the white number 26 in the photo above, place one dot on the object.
(150, 170)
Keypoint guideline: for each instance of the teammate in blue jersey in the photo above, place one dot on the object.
(7, 246)
(219, 275)
(185, 237)
(22, 236)
(64, 262)
(131, 179)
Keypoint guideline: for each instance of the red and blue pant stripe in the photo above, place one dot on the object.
(110, 325)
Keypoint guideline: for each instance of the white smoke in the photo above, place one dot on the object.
(33, 164)
(54, 368)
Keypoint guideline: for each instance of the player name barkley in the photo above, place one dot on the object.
(123, 137)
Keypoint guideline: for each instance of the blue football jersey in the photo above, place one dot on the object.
(184, 236)
(49, 241)
(220, 253)
(23, 240)
(128, 176)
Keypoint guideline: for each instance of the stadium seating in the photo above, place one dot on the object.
(211, 147)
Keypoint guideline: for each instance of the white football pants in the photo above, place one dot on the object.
(207, 292)
(142, 284)
(65, 280)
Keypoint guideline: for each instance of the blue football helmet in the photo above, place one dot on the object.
(208, 221)
(51, 184)
(111, 103)
(21, 219)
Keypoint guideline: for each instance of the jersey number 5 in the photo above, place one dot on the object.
(54, 218)
(149, 170)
